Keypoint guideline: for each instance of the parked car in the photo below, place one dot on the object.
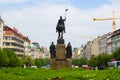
(74, 66)
(46, 66)
(85, 66)
(34, 67)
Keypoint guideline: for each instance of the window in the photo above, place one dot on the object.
(4, 44)
(4, 38)
(3, 32)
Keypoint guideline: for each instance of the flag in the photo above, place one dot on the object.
(66, 10)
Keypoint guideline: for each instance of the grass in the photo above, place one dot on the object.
(64, 74)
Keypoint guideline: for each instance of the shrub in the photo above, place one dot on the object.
(8, 58)
(80, 62)
(41, 62)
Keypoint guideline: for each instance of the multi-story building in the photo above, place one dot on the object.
(95, 46)
(88, 50)
(37, 44)
(74, 53)
(85, 49)
(109, 44)
(103, 43)
(34, 53)
(1, 32)
(43, 52)
(115, 38)
(46, 52)
(26, 44)
(13, 40)
(80, 52)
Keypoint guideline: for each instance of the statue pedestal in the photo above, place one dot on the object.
(60, 51)
(52, 63)
(69, 62)
(60, 41)
(60, 61)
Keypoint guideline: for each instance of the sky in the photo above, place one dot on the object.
(37, 19)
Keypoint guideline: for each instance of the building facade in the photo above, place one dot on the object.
(109, 44)
(13, 40)
(88, 53)
(103, 42)
(95, 46)
(115, 38)
(1, 32)
(34, 53)
(26, 44)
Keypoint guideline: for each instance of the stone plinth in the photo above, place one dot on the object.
(69, 62)
(52, 63)
(60, 51)
(60, 61)
(60, 64)
(60, 41)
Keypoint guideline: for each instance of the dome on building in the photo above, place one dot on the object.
(32, 46)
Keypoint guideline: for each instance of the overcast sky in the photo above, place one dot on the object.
(37, 19)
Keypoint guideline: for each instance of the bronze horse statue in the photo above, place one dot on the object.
(60, 28)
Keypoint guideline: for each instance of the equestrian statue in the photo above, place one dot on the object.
(60, 28)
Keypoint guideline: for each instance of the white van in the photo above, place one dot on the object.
(115, 64)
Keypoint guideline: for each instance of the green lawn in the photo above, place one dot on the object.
(64, 74)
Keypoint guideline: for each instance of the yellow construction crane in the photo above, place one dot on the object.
(113, 19)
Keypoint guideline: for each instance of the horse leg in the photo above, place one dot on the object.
(62, 34)
(58, 34)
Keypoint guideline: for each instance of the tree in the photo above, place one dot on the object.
(28, 61)
(80, 62)
(4, 60)
(41, 62)
(14, 61)
(24, 59)
(93, 62)
(103, 59)
(116, 54)
(8, 58)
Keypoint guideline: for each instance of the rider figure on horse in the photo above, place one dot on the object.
(60, 28)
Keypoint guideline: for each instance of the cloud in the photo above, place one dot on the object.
(11, 1)
(39, 22)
